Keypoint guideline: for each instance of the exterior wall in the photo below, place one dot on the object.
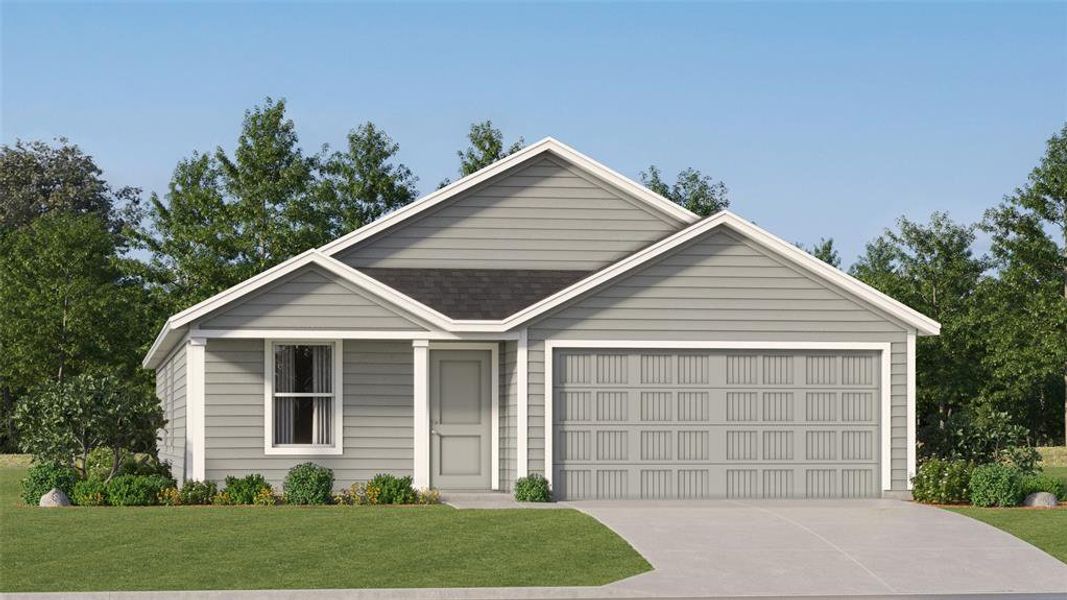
(719, 288)
(546, 215)
(378, 412)
(170, 389)
(509, 410)
(310, 299)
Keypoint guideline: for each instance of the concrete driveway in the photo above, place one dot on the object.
(732, 548)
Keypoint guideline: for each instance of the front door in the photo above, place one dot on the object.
(460, 411)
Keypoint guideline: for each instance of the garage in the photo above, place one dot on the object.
(664, 423)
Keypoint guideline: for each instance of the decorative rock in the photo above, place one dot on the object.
(1042, 499)
(55, 497)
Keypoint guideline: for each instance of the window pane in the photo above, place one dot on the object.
(303, 420)
(303, 369)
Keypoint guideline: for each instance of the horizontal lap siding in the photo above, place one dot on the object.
(170, 389)
(543, 216)
(509, 407)
(378, 417)
(719, 288)
(310, 299)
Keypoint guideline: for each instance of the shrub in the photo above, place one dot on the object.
(995, 484)
(136, 490)
(197, 492)
(533, 488)
(243, 490)
(100, 461)
(222, 498)
(308, 483)
(345, 498)
(265, 497)
(41, 477)
(89, 492)
(169, 496)
(1039, 482)
(1023, 458)
(942, 482)
(387, 488)
(428, 496)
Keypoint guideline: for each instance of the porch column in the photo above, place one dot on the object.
(194, 406)
(421, 473)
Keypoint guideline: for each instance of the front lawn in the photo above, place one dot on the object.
(233, 547)
(1045, 528)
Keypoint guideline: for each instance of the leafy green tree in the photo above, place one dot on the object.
(826, 252)
(37, 178)
(1026, 305)
(363, 182)
(63, 421)
(486, 147)
(692, 190)
(932, 268)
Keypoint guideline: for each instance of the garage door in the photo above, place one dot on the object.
(715, 424)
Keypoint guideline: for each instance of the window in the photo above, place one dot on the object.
(303, 398)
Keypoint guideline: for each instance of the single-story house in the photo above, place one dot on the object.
(548, 315)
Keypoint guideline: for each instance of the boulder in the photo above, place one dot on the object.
(55, 497)
(1042, 499)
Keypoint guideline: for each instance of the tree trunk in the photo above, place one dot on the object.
(9, 415)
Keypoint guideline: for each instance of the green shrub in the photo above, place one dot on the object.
(1039, 482)
(942, 482)
(995, 484)
(243, 490)
(533, 488)
(308, 483)
(90, 492)
(197, 492)
(386, 488)
(169, 496)
(99, 463)
(41, 477)
(265, 497)
(222, 498)
(428, 496)
(136, 490)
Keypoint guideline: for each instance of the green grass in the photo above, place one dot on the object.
(194, 547)
(1055, 456)
(1044, 528)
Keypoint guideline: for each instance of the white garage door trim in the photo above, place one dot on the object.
(886, 387)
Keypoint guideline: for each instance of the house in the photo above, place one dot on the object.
(548, 315)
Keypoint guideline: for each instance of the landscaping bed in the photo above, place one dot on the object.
(292, 547)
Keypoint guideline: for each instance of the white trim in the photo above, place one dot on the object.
(547, 144)
(337, 356)
(911, 416)
(195, 399)
(885, 348)
(421, 386)
(494, 399)
(352, 334)
(522, 391)
(773, 243)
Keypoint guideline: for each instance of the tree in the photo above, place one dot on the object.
(362, 182)
(486, 147)
(826, 252)
(693, 190)
(1026, 306)
(37, 178)
(931, 268)
(66, 305)
(63, 421)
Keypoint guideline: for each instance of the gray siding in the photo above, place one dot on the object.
(378, 417)
(170, 389)
(509, 412)
(310, 299)
(719, 288)
(546, 215)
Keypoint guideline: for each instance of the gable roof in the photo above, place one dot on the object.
(654, 201)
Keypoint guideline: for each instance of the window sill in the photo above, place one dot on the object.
(303, 450)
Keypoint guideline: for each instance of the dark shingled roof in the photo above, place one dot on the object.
(476, 293)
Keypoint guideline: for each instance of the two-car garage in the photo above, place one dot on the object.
(678, 423)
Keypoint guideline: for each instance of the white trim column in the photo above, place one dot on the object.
(194, 402)
(522, 390)
(421, 469)
(912, 415)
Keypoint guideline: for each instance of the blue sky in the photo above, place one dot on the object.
(823, 119)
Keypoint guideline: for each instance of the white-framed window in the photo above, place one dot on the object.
(303, 397)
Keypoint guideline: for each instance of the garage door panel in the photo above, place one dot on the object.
(714, 424)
